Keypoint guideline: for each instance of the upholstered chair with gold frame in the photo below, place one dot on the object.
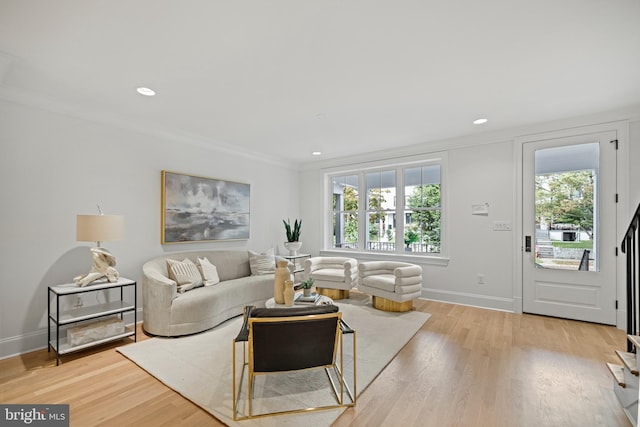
(280, 340)
(333, 276)
(392, 285)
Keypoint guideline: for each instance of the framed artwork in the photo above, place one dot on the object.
(200, 209)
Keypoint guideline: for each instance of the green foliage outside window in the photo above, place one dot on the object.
(566, 198)
(426, 215)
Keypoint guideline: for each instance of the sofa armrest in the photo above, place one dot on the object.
(311, 265)
(371, 268)
(351, 271)
(407, 277)
(159, 290)
(408, 271)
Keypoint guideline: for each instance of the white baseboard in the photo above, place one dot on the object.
(621, 319)
(25, 343)
(475, 300)
(37, 340)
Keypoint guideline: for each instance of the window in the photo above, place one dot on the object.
(345, 211)
(389, 209)
(422, 209)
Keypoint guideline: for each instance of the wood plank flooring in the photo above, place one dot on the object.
(466, 367)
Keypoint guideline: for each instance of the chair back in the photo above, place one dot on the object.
(293, 339)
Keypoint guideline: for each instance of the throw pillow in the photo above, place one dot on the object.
(185, 273)
(209, 272)
(264, 263)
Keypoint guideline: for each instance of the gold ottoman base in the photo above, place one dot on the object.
(334, 294)
(388, 305)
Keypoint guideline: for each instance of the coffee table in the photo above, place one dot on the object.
(271, 302)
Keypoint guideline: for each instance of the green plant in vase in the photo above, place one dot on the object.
(306, 286)
(293, 242)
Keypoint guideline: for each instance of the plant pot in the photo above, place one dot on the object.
(293, 247)
(306, 292)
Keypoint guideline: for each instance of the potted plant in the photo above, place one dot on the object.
(293, 242)
(306, 286)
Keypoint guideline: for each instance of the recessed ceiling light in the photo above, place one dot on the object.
(316, 153)
(480, 121)
(146, 91)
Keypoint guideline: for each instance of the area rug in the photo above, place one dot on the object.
(199, 366)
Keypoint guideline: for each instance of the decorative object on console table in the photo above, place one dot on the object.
(197, 209)
(306, 286)
(293, 243)
(289, 293)
(99, 228)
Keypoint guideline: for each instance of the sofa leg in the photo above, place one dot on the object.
(334, 294)
(389, 305)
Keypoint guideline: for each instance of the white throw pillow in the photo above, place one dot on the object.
(209, 272)
(185, 273)
(264, 263)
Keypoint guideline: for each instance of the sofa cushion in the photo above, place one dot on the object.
(385, 282)
(264, 263)
(185, 273)
(329, 274)
(209, 271)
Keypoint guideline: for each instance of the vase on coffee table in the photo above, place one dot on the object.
(289, 293)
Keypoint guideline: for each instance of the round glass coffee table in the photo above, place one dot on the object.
(323, 300)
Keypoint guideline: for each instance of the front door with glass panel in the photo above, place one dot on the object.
(569, 227)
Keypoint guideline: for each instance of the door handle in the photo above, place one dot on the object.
(527, 243)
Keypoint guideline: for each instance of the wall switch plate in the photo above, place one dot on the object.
(501, 225)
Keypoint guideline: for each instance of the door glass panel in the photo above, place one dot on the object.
(566, 197)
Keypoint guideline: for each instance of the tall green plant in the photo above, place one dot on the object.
(293, 234)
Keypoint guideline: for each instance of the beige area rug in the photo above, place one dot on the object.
(199, 366)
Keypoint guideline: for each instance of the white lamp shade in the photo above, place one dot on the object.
(99, 228)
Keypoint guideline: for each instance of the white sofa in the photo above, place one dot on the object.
(166, 312)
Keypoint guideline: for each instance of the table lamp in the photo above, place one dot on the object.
(99, 228)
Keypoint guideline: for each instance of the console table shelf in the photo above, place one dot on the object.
(297, 261)
(94, 311)
(58, 318)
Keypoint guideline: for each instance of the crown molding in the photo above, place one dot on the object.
(25, 98)
(630, 114)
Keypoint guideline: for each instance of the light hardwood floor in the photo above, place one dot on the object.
(466, 367)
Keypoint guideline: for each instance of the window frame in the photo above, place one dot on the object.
(361, 170)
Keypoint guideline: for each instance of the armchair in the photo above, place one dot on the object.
(333, 276)
(392, 285)
(281, 340)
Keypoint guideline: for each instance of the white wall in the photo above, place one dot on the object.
(634, 166)
(54, 166)
(481, 169)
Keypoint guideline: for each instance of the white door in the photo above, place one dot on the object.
(569, 227)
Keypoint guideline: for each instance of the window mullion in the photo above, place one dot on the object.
(362, 211)
(400, 202)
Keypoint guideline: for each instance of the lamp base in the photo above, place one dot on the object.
(103, 266)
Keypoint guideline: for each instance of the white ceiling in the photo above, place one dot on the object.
(281, 78)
